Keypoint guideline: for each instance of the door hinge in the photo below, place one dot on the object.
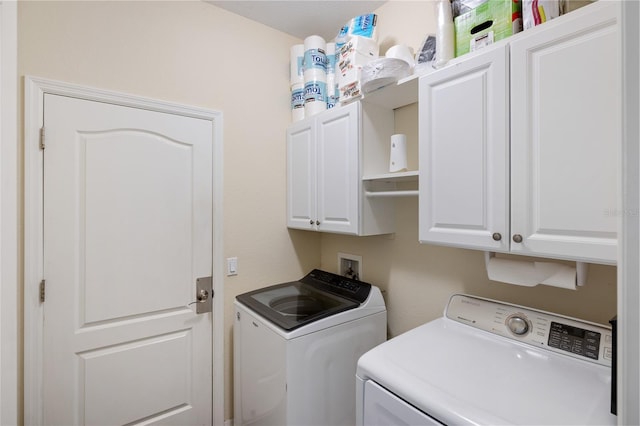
(42, 138)
(42, 285)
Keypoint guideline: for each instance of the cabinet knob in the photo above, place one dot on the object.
(517, 238)
(318, 222)
(311, 222)
(497, 236)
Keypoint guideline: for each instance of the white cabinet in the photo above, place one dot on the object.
(565, 136)
(519, 142)
(464, 152)
(325, 190)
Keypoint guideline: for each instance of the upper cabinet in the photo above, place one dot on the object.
(519, 142)
(325, 190)
(464, 152)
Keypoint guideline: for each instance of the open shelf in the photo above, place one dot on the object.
(402, 93)
(409, 176)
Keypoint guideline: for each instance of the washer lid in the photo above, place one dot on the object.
(461, 375)
(318, 295)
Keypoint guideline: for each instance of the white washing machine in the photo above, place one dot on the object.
(489, 363)
(296, 346)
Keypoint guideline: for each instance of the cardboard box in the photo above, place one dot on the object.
(486, 23)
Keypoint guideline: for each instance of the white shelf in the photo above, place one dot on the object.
(409, 176)
(373, 194)
(402, 93)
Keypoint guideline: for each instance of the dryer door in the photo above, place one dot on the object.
(382, 408)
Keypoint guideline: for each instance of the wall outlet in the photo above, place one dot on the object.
(350, 265)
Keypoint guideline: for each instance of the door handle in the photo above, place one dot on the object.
(203, 302)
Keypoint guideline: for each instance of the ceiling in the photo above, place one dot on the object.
(301, 18)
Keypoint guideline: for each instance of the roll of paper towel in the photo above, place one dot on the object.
(530, 273)
(332, 56)
(315, 56)
(398, 155)
(297, 102)
(315, 96)
(296, 59)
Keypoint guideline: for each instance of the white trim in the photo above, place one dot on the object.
(35, 89)
(629, 255)
(9, 324)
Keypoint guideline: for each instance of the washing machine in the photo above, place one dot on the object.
(491, 363)
(296, 347)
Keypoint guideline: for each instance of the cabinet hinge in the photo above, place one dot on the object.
(42, 138)
(42, 285)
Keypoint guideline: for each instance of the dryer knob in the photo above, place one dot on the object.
(518, 325)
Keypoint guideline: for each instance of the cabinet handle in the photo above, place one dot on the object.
(318, 222)
(497, 236)
(517, 238)
(311, 222)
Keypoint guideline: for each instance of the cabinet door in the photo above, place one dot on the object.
(338, 169)
(301, 176)
(464, 152)
(565, 121)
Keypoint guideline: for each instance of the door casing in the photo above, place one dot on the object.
(35, 89)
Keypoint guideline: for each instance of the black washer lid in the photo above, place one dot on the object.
(318, 295)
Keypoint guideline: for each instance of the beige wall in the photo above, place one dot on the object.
(173, 51)
(197, 54)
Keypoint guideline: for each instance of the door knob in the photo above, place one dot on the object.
(202, 296)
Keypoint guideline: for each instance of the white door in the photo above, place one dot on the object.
(565, 122)
(127, 230)
(338, 169)
(301, 176)
(464, 153)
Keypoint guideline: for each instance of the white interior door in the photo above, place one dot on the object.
(127, 231)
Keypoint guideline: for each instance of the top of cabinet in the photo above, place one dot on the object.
(402, 93)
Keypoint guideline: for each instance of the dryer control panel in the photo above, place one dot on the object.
(569, 336)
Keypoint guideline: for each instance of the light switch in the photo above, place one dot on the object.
(232, 266)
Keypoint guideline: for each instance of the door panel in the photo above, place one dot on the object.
(156, 208)
(301, 180)
(127, 231)
(338, 172)
(565, 133)
(464, 153)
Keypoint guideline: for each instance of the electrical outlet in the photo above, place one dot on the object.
(350, 265)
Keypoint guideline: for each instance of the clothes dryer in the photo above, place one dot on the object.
(489, 363)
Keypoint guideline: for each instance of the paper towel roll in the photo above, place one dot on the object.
(403, 52)
(332, 56)
(296, 59)
(315, 56)
(333, 95)
(398, 155)
(315, 74)
(530, 273)
(315, 97)
(297, 102)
